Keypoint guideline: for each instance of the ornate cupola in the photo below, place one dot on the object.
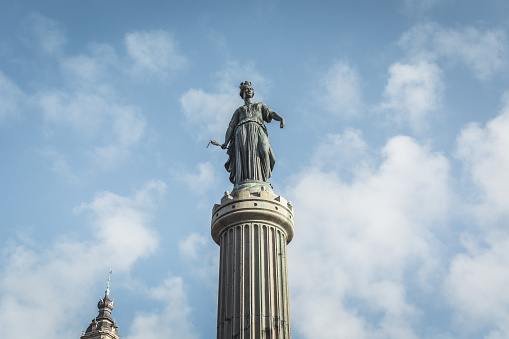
(103, 326)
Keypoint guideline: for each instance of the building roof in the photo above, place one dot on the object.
(103, 322)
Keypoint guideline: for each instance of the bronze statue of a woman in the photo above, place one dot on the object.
(250, 155)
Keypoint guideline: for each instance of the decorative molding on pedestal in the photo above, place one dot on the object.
(253, 226)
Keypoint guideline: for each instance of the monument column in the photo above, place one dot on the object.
(253, 225)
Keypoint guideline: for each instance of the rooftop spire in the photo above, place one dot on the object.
(108, 283)
(103, 326)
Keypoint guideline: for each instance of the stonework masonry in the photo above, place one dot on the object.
(100, 335)
(253, 226)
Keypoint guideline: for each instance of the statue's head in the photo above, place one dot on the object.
(243, 86)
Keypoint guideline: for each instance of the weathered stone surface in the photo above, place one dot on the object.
(253, 227)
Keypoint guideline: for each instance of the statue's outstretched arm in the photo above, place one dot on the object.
(277, 117)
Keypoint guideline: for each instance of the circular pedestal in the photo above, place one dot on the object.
(252, 204)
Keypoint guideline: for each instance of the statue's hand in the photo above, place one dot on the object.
(282, 124)
(223, 146)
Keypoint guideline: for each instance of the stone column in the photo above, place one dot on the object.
(253, 226)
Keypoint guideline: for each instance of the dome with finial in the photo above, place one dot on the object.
(105, 302)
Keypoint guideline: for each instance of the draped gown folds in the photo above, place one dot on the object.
(250, 155)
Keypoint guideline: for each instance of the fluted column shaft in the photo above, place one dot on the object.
(253, 231)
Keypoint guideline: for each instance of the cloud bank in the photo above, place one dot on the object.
(34, 280)
(372, 248)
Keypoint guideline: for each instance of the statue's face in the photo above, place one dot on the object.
(248, 92)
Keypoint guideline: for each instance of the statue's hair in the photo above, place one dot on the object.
(243, 86)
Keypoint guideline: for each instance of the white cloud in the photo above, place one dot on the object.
(484, 153)
(201, 255)
(478, 278)
(44, 34)
(82, 67)
(339, 90)
(60, 165)
(199, 180)
(346, 152)
(122, 226)
(110, 128)
(208, 113)
(84, 112)
(11, 98)
(91, 71)
(29, 288)
(109, 156)
(190, 246)
(477, 284)
(33, 280)
(375, 238)
(154, 53)
(128, 125)
(485, 52)
(90, 106)
(356, 244)
(413, 91)
(171, 322)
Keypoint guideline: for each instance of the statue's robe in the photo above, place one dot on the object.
(250, 155)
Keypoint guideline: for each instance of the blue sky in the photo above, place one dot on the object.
(394, 155)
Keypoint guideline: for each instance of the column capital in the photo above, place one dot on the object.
(254, 204)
